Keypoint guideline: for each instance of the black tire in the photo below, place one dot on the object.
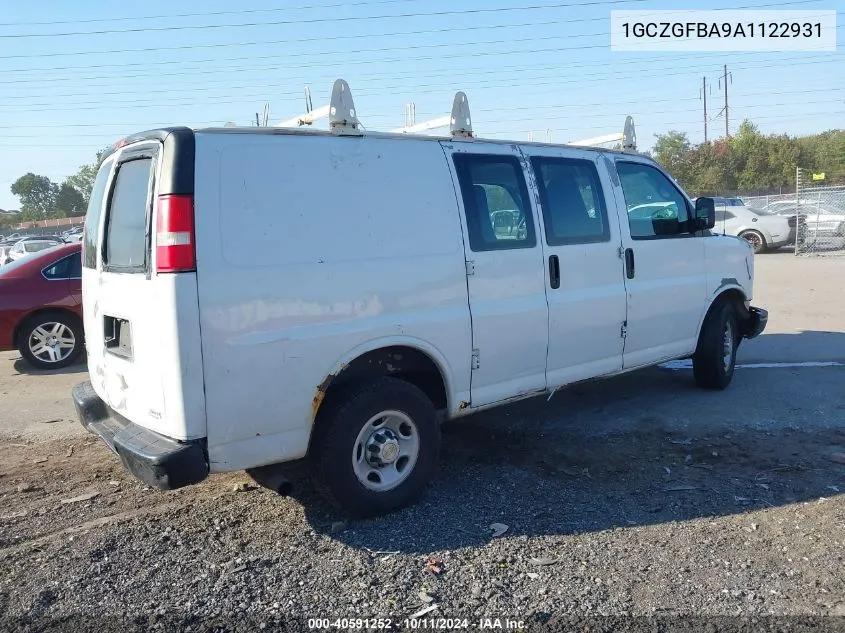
(709, 367)
(339, 423)
(756, 239)
(47, 321)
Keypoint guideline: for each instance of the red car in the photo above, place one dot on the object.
(41, 306)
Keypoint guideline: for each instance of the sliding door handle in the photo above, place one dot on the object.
(629, 263)
(554, 271)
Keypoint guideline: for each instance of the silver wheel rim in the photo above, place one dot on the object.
(728, 346)
(385, 451)
(51, 342)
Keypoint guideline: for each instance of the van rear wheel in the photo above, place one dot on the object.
(51, 340)
(714, 360)
(376, 447)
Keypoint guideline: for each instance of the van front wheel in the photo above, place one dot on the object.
(715, 358)
(376, 447)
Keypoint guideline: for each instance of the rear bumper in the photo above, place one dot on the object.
(755, 323)
(158, 461)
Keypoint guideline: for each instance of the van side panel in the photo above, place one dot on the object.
(310, 248)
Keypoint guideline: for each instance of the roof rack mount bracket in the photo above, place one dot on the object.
(629, 135)
(342, 118)
(461, 121)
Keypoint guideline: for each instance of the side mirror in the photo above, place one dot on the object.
(705, 214)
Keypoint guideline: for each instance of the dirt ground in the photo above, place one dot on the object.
(636, 496)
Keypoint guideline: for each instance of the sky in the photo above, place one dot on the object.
(75, 77)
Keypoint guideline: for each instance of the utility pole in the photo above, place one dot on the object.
(704, 94)
(725, 78)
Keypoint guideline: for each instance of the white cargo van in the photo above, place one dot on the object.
(257, 296)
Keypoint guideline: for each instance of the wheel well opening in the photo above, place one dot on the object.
(402, 362)
(16, 333)
(734, 297)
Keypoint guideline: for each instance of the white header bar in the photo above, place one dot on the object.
(722, 30)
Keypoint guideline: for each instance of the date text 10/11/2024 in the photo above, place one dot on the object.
(414, 624)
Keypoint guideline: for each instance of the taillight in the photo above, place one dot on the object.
(175, 252)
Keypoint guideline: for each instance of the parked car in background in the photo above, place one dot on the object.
(28, 245)
(41, 307)
(5, 245)
(763, 230)
(728, 202)
(73, 235)
(821, 225)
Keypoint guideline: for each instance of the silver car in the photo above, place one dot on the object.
(762, 229)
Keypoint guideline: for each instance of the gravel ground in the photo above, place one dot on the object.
(637, 496)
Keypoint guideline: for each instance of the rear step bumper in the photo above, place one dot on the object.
(156, 460)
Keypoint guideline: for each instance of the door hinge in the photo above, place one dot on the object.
(621, 252)
(476, 363)
(470, 265)
(624, 330)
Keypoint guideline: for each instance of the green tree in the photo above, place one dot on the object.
(83, 180)
(672, 151)
(38, 195)
(70, 201)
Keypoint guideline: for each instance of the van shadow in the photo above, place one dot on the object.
(80, 366)
(639, 449)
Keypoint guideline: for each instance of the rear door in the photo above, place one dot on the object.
(120, 302)
(505, 271)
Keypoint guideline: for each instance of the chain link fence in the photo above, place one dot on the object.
(820, 211)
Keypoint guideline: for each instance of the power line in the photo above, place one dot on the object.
(475, 110)
(584, 78)
(618, 117)
(207, 14)
(159, 29)
(288, 41)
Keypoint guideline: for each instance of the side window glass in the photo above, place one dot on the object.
(656, 209)
(60, 270)
(496, 202)
(573, 203)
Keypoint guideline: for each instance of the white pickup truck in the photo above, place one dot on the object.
(258, 296)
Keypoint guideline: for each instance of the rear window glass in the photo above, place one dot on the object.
(90, 241)
(126, 223)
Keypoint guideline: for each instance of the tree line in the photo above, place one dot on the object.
(43, 199)
(750, 163)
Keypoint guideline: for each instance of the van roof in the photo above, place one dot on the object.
(162, 133)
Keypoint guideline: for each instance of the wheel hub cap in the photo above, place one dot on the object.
(52, 342)
(386, 450)
(382, 448)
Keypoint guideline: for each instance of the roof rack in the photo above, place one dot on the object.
(459, 122)
(344, 121)
(628, 138)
